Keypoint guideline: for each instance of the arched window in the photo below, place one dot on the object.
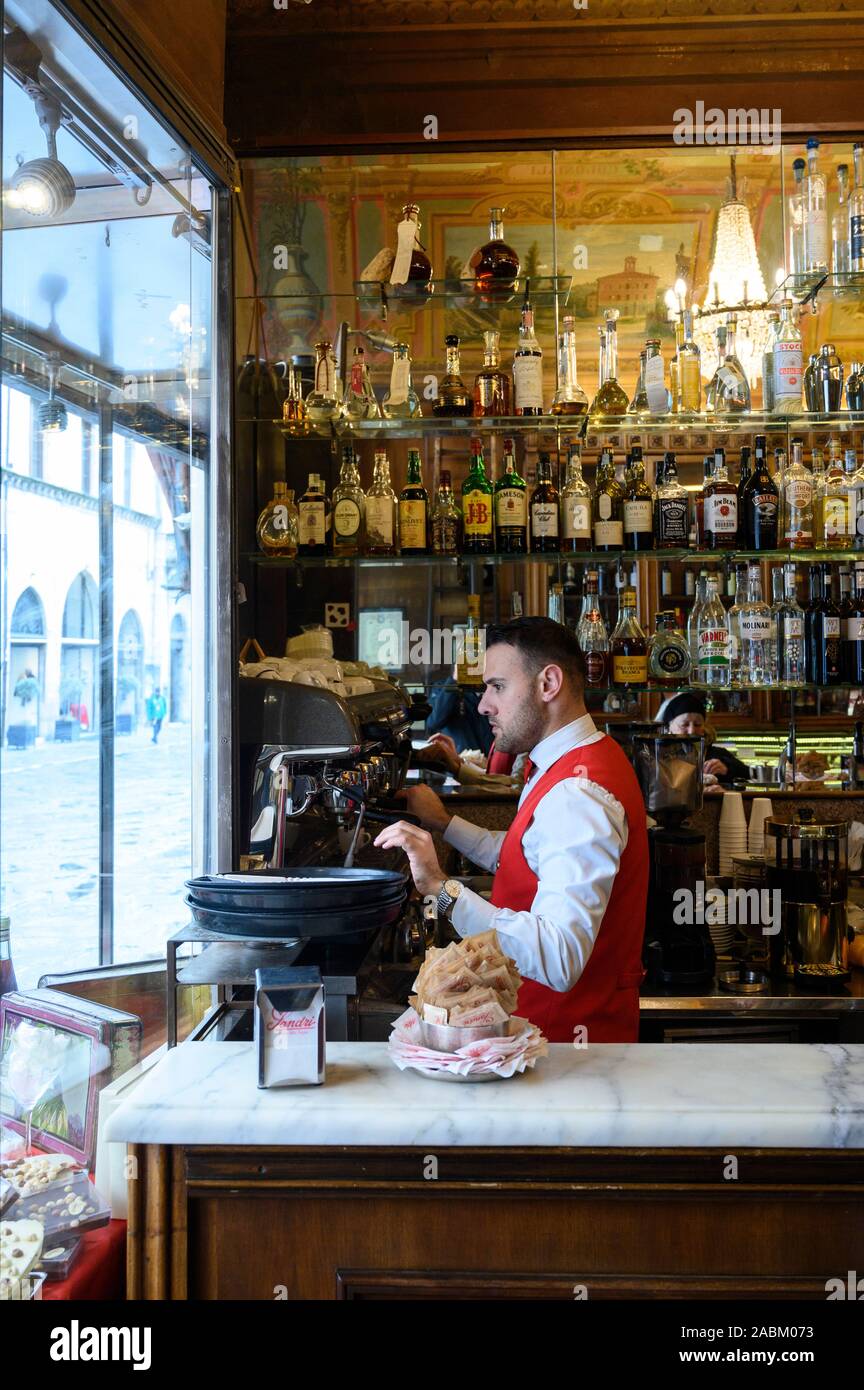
(28, 616)
(130, 638)
(79, 614)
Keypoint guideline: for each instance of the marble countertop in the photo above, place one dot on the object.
(694, 1095)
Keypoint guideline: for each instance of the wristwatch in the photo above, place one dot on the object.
(447, 896)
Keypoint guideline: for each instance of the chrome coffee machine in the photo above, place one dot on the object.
(806, 862)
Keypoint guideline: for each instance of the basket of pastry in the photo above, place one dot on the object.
(461, 1023)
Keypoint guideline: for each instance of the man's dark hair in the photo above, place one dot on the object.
(542, 642)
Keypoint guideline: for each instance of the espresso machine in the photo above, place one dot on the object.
(676, 953)
(806, 863)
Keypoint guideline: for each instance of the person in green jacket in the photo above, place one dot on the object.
(156, 710)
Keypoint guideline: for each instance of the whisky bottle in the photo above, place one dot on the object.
(453, 397)
(277, 529)
(349, 508)
(511, 507)
(401, 401)
(591, 634)
(491, 384)
(294, 422)
(544, 510)
(527, 365)
(671, 509)
(446, 519)
(414, 510)
(478, 536)
(838, 526)
(382, 510)
(638, 507)
(575, 506)
(668, 653)
(360, 402)
(469, 667)
(569, 399)
(610, 399)
(689, 370)
(313, 519)
(324, 401)
(494, 266)
(721, 507)
(628, 645)
(412, 268)
(608, 506)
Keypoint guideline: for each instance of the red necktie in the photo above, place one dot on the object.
(529, 769)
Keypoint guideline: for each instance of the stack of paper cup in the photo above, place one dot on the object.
(760, 811)
(733, 830)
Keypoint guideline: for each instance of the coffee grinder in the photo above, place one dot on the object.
(677, 951)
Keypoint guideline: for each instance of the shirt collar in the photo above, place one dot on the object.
(554, 746)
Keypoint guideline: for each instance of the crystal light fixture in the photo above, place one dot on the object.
(735, 283)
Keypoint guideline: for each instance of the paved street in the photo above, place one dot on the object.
(49, 863)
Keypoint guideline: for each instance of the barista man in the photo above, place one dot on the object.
(571, 873)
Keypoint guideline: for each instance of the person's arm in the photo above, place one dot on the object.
(736, 771)
(481, 846)
(578, 835)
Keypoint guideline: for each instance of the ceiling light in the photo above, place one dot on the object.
(51, 416)
(44, 187)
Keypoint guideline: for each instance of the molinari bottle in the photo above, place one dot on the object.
(544, 509)
(511, 507)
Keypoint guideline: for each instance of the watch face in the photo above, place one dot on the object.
(452, 887)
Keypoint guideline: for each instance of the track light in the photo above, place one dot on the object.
(43, 187)
(51, 416)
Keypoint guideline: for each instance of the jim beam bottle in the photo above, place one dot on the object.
(721, 507)
(414, 510)
(544, 510)
(511, 507)
(628, 645)
(477, 519)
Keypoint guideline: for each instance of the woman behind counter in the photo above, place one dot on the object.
(685, 714)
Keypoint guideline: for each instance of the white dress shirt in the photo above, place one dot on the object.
(573, 844)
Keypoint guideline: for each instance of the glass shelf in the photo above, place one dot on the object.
(421, 426)
(583, 557)
(806, 289)
(724, 690)
(545, 289)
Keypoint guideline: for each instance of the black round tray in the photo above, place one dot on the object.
(348, 922)
(316, 891)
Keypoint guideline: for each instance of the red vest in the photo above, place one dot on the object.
(499, 762)
(605, 998)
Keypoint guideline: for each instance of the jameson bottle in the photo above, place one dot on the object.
(414, 510)
(544, 510)
(446, 519)
(478, 536)
(349, 508)
(528, 365)
(638, 507)
(721, 507)
(671, 512)
(760, 503)
(511, 507)
(382, 510)
(628, 645)
(575, 506)
(313, 519)
(608, 508)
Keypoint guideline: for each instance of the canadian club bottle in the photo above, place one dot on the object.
(671, 513)
(544, 509)
(511, 507)
(478, 533)
(760, 503)
(721, 507)
(638, 507)
(628, 645)
(414, 510)
(608, 508)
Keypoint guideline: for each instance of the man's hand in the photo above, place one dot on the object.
(420, 849)
(422, 802)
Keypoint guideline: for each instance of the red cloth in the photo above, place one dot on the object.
(99, 1273)
(499, 762)
(605, 998)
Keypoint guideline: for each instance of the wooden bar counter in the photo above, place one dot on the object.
(610, 1171)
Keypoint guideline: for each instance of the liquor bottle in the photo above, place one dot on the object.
(294, 422)
(689, 370)
(414, 510)
(628, 645)
(768, 361)
(756, 654)
(855, 764)
(788, 363)
(511, 507)
(745, 468)
(817, 468)
(839, 526)
(349, 507)
(791, 663)
(638, 508)
(555, 603)
(575, 506)
(313, 519)
(8, 982)
(491, 384)
(639, 404)
(607, 512)
(527, 365)
(832, 625)
(668, 653)
(401, 401)
(544, 510)
(840, 229)
(699, 502)
(797, 501)
(469, 667)
(853, 635)
(729, 389)
(478, 531)
(855, 484)
(494, 266)
(811, 388)
(592, 636)
(674, 372)
(659, 398)
(815, 213)
(278, 526)
(713, 639)
(856, 212)
(610, 399)
(855, 387)
(412, 268)
(382, 509)
(446, 519)
(760, 502)
(721, 507)
(844, 608)
(360, 402)
(324, 401)
(569, 399)
(453, 398)
(693, 624)
(739, 576)
(821, 633)
(796, 263)
(671, 513)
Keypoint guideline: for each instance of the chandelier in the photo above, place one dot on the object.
(735, 286)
